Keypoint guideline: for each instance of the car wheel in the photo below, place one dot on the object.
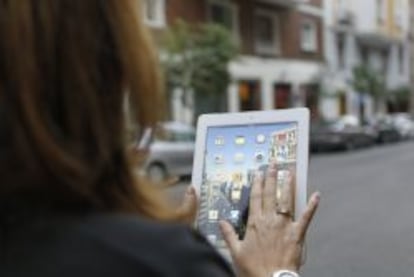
(157, 173)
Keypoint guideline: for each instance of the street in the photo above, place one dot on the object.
(365, 224)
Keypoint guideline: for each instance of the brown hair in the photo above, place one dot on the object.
(66, 67)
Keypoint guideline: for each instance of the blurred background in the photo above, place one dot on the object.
(350, 62)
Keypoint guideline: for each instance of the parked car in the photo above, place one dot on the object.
(343, 134)
(386, 131)
(404, 124)
(170, 150)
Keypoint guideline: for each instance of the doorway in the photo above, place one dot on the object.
(283, 96)
(250, 96)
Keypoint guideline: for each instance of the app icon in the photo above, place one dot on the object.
(219, 159)
(259, 157)
(292, 136)
(234, 215)
(239, 158)
(261, 139)
(220, 176)
(240, 140)
(212, 239)
(281, 137)
(213, 215)
(219, 141)
(236, 194)
(237, 177)
(282, 153)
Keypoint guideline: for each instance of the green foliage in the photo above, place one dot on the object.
(196, 58)
(401, 94)
(367, 81)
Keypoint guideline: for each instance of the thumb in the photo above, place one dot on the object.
(188, 209)
(230, 236)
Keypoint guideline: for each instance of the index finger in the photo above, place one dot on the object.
(256, 195)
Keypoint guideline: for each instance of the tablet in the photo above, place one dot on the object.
(231, 147)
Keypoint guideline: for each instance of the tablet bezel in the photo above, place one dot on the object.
(297, 115)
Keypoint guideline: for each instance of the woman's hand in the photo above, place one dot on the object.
(273, 241)
(187, 212)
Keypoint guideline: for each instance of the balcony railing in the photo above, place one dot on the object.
(284, 3)
(345, 18)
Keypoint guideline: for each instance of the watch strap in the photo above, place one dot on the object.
(285, 273)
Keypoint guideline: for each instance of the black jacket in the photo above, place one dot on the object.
(116, 245)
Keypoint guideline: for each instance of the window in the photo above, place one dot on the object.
(154, 13)
(309, 37)
(341, 8)
(342, 5)
(385, 54)
(225, 14)
(364, 54)
(401, 58)
(267, 37)
(398, 16)
(381, 11)
(340, 40)
(283, 96)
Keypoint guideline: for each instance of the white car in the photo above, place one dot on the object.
(170, 151)
(404, 125)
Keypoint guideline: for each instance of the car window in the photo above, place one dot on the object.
(165, 135)
(182, 136)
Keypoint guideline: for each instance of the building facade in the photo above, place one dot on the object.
(411, 38)
(282, 55)
(281, 43)
(374, 33)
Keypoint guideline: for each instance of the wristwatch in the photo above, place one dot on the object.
(285, 273)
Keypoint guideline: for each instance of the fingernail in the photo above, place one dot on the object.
(258, 174)
(318, 197)
(190, 190)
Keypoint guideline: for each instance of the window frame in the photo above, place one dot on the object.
(275, 48)
(381, 12)
(234, 8)
(160, 10)
(401, 58)
(340, 44)
(398, 13)
(310, 46)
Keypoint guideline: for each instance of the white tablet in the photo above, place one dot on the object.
(231, 147)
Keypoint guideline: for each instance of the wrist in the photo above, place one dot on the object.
(270, 273)
(285, 273)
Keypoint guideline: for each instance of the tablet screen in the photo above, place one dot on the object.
(232, 156)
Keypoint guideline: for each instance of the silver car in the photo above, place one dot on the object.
(170, 149)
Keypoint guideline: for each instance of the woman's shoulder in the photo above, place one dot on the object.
(132, 231)
(170, 247)
(111, 245)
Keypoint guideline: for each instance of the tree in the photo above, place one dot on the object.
(368, 82)
(196, 60)
(399, 99)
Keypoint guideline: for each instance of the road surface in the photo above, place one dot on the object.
(365, 225)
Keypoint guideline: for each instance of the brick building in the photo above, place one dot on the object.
(281, 46)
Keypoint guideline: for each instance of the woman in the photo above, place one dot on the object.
(70, 204)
